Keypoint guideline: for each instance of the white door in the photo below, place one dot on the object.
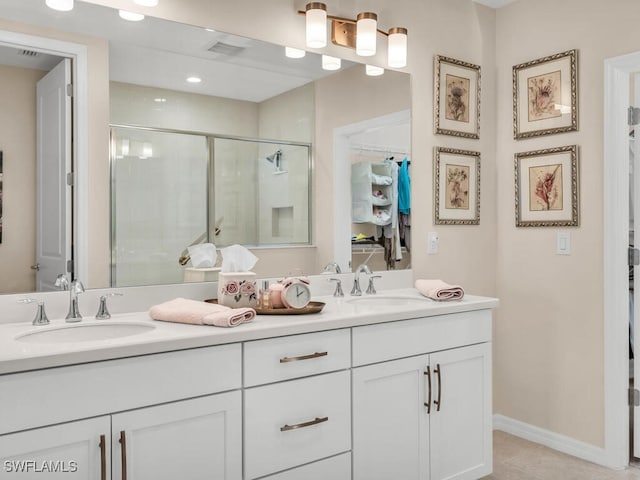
(192, 439)
(390, 420)
(53, 197)
(76, 450)
(460, 420)
(634, 240)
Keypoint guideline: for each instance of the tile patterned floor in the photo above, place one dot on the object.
(518, 459)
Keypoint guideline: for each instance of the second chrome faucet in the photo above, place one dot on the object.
(75, 288)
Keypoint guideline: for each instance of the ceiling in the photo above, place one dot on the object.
(162, 54)
(494, 3)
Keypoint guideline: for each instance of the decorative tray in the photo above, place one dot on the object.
(312, 307)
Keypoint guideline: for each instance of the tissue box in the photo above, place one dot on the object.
(237, 289)
(197, 274)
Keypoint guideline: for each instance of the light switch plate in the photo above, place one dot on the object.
(563, 246)
(432, 243)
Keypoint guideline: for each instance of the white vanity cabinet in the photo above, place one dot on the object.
(302, 420)
(75, 450)
(423, 417)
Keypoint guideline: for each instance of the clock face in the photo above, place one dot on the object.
(296, 295)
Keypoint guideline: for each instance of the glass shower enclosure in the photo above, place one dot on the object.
(172, 189)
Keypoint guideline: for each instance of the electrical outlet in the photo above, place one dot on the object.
(432, 243)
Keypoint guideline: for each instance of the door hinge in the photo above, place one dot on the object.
(634, 397)
(69, 90)
(70, 177)
(70, 266)
(634, 256)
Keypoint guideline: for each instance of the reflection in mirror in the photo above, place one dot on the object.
(164, 199)
(260, 95)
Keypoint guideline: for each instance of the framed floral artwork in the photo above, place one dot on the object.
(456, 98)
(457, 187)
(545, 96)
(546, 184)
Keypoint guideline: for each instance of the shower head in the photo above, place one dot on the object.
(276, 159)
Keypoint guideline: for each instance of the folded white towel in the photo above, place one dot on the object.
(182, 310)
(439, 290)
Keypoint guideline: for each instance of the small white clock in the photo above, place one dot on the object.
(296, 295)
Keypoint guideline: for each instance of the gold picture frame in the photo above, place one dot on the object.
(545, 98)
(546, 184)
(457, 186)
(456, 98)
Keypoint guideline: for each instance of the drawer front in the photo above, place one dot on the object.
(92, 389)
(284, 358)
(334, 468)
(292, 423)
(387, 341)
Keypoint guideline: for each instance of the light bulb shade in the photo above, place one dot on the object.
(331, 63)
(147, 3)
(291, 52)
(397, 47)
(62, 5)
(316, 17)
(130, 16)
(366, 33)
(374, 71)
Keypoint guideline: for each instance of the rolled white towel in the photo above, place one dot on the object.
(183, 310)
(439, 290)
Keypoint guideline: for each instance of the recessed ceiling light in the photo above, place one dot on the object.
(62, 5)
(294, 52)
(194, 79)
(147, 3)
(131, 16)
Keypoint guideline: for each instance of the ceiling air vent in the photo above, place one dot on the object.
(28, 53)
(225, 49)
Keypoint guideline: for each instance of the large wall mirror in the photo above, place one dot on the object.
(243, 156)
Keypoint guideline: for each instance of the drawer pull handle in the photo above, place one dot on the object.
(123, 453)
(103, 457)
(428, 402)
(304, 357)
(317, 420)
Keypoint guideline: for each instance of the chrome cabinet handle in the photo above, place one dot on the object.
(103, 457)
(438, 371)
(428, 402)
(304, 357)
(123, 453)
(317, 420)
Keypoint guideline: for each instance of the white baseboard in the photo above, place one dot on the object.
(553, 440)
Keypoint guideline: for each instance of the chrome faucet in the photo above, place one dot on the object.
(41, 316)
(75, 289)
(362, 268)
(61, 282)
(332, 267)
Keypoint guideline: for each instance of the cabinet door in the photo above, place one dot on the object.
(194, 439)
(76, 450)
(390, 422)
(460, 425)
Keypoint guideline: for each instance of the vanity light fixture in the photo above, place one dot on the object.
(316, 23)
(359, 34)
(130, 16)
(291, 52)
(194, 79)
(331, 63)
(147, 3)
(373, 71)
(61, 5)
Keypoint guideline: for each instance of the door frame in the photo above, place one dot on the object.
(617, 96)
(80, 132)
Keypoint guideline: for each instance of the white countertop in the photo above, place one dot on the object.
(18, 356)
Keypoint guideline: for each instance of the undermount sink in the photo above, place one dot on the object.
(382, 301)
(85, 332)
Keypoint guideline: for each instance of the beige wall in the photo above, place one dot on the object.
(549, 328)
(18, 145)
